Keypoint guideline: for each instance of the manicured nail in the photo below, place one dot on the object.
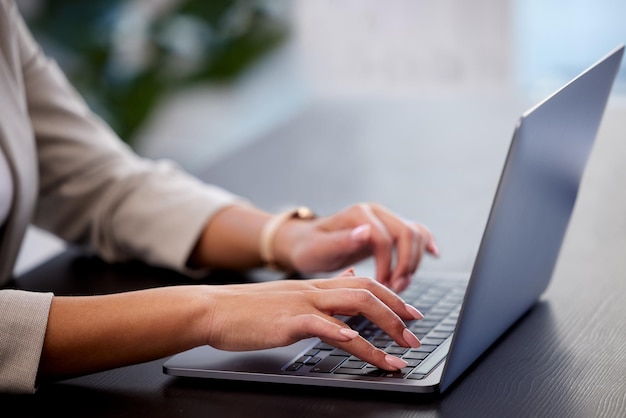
(396, 362)
(410, 338)
(361, 233)
(348, 332)
(414, 312)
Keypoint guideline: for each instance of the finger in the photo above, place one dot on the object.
(409, 246)
(418, 247)
(431, 244)
(411, 241)
(361, 348)
(331, 329)
(358, 234)
(336, 333)
(335, 248)
(382, 244)
(410, 255)
(381, 292)
(363, 302)
(351, 342)
(347, 273)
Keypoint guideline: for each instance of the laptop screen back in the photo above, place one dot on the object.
(530, 212)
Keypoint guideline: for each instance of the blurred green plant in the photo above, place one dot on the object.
(124, 55)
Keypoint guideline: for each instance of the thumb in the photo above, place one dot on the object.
(337, 249)
(348, 242)
(360, 236)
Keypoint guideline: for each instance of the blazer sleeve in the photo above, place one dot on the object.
(93, 189)
(23, 321)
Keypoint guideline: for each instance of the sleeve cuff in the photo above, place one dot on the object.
(23, 322)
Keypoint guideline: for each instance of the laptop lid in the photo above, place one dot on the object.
(518, 252)
(531, 210)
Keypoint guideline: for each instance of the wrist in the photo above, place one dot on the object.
(279, 234)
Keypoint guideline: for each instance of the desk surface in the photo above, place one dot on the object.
(566, 357)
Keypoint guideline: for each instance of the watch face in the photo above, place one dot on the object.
(304, 213)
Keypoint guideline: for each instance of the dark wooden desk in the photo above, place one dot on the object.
(566, 357)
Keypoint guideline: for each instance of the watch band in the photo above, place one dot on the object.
(271, 227)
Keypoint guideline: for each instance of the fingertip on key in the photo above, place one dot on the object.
(395, 362)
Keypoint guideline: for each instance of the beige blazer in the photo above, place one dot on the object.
(74, 177)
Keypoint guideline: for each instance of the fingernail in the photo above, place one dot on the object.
(361, 233)
(410, 338)
(435, 250)
(414, 312)
(396, 362)
(348, 332)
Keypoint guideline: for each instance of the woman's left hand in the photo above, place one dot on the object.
(333, 242)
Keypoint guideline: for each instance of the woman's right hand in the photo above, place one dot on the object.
(273, 314)
(86, 334)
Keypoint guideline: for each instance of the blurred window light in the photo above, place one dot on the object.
(555, 39)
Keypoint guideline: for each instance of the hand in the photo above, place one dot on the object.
(340, 240)
(273, 314)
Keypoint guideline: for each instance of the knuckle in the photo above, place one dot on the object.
(366, 282)
(422, 230)
(362, 296)
(374, 206)
(308, 323)
(384, 239)
(365, 207)
(361, 207)
(410, 234)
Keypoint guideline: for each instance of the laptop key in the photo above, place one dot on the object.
(355, 322)
(313, 361)
(412, 362)
(368, 371)
(432, 341)
(399, 374)
(439, 334)
(293, 367)
(425, 348)
(328, 364)
(396, 350)
(433, 359)
(415, 355)
(380, 343)
(445, 328)
(339, 352)
(354, 364)
(323, 346)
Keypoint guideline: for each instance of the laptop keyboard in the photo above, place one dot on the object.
(439, 301)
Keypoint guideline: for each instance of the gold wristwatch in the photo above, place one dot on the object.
(269, 232)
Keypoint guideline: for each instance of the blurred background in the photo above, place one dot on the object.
(194, 81)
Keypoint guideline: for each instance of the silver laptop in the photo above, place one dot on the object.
(463, 315)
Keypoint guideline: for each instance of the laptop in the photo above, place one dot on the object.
(464, 315)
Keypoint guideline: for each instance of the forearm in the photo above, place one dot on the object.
(231, 239)
(93, 333)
